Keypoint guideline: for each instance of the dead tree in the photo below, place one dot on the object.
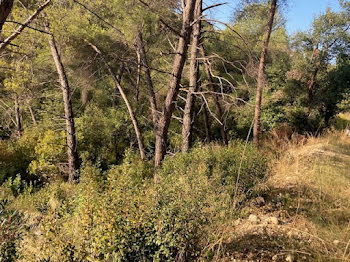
(174, 85)
(219, 112)
(72, 152)
(194, 85)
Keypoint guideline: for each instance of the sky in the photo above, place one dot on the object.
(299, 13)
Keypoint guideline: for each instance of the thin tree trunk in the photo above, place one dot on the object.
(219, 112)
(178, 66)
(194, 85)
(126, 101)
(119, 79)
(138, 80)
(206, 122)
(32, 115)
(73, 161)
(152, 94)
(18, 117)
(256, 129)
(310, 88)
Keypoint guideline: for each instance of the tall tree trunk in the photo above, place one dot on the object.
(178, 66)
(219, 112)
(152, 94)
(73, 161)
(256, 129)
(194, 85)
(126, 101)
(19, 125)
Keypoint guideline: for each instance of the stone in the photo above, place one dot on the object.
(253, 218)
(336, 242)
(272, 220)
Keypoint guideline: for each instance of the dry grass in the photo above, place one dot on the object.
(313, 181)
(308, 191)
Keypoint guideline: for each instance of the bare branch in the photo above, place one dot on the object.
(19, 30)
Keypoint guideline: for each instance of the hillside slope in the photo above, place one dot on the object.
(303, 211)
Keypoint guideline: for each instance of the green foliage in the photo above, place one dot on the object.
(124, 215)
(49, 154)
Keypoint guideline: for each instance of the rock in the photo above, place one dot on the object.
(272, 220)
(290, 258)
(336, 242)
(253, 218)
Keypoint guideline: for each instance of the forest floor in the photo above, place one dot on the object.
(302, 212)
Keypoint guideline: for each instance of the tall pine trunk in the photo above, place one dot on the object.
(72, 152)
(256, 129)
(194, 85)
(178, 66)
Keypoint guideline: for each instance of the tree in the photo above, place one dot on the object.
(194, 85)
(72, 150)
(327, 38)
(127, 103)
(260, 82)
(174, 85)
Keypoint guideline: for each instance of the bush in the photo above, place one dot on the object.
(127, 215)
(15, 156)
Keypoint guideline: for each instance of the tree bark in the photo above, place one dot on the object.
(219, 112)
(152, 94)
(72, 151)
(256, 129)
(194, 85)
(178, 66)
(126, 101)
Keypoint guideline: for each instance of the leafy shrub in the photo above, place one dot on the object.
(15, 156)
(50, 152)
(127, 215)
